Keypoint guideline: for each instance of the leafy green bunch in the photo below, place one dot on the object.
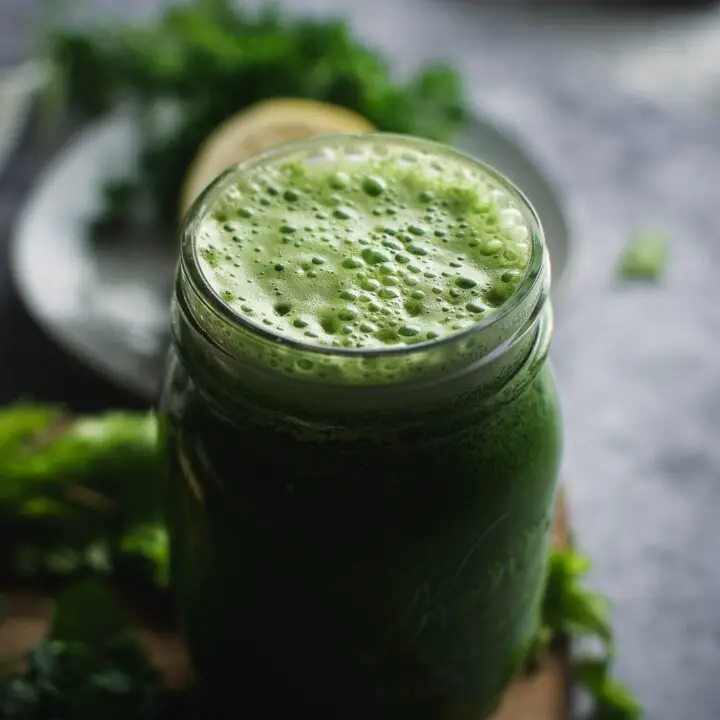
(82, 496)
(202, 62)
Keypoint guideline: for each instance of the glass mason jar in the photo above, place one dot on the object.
(359, 533)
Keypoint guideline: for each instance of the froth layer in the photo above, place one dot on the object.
(364, 243)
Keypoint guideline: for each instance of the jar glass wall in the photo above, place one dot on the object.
(359, 532)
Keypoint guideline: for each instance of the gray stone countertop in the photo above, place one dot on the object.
(638, 366)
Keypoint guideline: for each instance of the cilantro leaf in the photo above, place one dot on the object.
(150, 542)
(569, 608)
(612, 700)
(573, 611)
(645, 257)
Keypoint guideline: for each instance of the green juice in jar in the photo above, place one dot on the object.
(362, 430)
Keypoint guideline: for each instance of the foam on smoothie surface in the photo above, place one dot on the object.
(371, 245)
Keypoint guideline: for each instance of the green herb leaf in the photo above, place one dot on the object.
(645, 257)
(150, 542)
(573, 611)
(568, 607)
(612, 700)
(88, 613)
(23, 422)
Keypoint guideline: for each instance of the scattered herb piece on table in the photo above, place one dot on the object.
(645, 257)
(200, 63)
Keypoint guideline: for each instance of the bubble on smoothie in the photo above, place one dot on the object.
(367, 249)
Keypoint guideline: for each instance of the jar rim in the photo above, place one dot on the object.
(535, 273)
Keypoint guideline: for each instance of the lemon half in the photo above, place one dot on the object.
(260, 127)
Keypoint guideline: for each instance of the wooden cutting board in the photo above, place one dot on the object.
(543, 696)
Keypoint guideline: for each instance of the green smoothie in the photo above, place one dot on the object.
(362, 431)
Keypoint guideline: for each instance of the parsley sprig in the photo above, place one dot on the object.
(202, 62)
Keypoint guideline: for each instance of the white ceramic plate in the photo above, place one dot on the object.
(108, 304)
